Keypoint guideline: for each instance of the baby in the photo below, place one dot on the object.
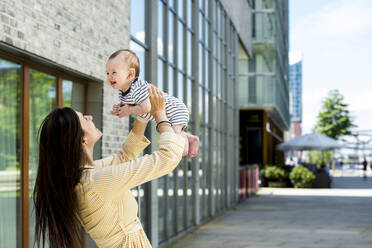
(122, 70)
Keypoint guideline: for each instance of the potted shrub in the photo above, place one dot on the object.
(274, 175)
(301, 177)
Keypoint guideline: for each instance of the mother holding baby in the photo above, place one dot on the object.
(72, 190)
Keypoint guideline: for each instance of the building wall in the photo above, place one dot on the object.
(240, 13)
(76, 35)
(264, 82)
(268, 77)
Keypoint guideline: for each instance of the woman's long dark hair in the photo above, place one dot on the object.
(61, 156)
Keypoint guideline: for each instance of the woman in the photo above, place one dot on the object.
(71, 189)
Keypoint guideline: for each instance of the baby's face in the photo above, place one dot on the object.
(117, 74)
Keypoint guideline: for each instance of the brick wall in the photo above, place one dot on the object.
(79, 35)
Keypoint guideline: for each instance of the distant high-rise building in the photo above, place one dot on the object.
(295, 92)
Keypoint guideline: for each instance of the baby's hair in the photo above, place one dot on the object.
(129, 58)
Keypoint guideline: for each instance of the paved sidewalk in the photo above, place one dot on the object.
(294, 218)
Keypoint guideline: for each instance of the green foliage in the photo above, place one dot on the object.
(301, 177)
(315, 157)
(42, 100)
(310, 157)
(273, 173)
(334, 119)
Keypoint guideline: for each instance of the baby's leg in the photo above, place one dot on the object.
(178, 130)
(193, 144)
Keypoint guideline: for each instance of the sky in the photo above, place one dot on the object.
(335, 39)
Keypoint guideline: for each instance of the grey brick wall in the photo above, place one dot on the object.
(79, 35)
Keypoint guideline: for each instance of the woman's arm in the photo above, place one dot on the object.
(132, 147)
(114, 180)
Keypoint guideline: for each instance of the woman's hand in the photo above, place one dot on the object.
(156, 100)
(158, 109)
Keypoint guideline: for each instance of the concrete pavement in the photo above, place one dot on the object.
(295, 218)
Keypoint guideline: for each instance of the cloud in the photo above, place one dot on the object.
(337, 19)
(335, 40)
(311, 102)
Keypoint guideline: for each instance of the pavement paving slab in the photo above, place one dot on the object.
(339, 217)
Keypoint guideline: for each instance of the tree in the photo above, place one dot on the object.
(334, 119)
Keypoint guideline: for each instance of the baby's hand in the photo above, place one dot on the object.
(122, 111)
(115, 109)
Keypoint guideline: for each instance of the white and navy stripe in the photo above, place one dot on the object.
(136, 93)
(175, 109)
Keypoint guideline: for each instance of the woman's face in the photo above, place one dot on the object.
(91, 133)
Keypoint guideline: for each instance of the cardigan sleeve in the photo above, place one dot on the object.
(131, 148)
(112, 181)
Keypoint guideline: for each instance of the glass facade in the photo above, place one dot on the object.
(196, 48)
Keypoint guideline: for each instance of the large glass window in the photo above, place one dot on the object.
(10, 148)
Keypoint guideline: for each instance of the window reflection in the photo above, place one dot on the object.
(180, 87)
(189, 13)
(189, 96)
(10, 148)
(201, 101)
(201, 64)
(206, 64)
(137, 19)
(189, 191)
(140, 52)
(189, 53)
(180, 195)
(206, 161)
(170, 37)
(160, 82)
(201, 31)
(180, 45)
(206, 35)
(170, 81)
(73, 95)
(180, 8)
(42, 101)
(161, 29)
(170, 211)
(161, 207)
(206, 105)
(206, 9)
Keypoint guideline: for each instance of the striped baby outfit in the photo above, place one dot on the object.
(175, 109)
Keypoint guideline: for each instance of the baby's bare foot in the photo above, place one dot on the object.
(193, 145)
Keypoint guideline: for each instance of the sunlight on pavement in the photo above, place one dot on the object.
(316, 192)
